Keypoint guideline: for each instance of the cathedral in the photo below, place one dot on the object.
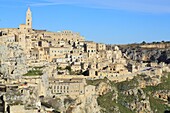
(28, 25)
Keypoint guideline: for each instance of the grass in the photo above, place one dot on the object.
(126, 85)
(123, 109)
(34, 73)
(123, 99)
(157, 105)
(162, 86)
(105, 101)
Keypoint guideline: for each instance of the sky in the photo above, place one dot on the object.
(104, 21)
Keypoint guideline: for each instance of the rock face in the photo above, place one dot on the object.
(103, 88)
(163, 95)
(147, 54)
(141, 103)
(12, 67)
(86, 104)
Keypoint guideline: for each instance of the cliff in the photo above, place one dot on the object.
(147, 52)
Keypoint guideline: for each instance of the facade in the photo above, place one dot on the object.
(101, 47)
(74, 86)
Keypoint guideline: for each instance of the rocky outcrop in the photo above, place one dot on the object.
(103, 88)
(140, 102)
(163, 95)
(86, 104)
(15, 66)
(146, 54)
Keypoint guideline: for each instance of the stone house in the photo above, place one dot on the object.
(73, 86)
(100, 46)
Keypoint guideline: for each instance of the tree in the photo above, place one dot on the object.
(68, 68)
(143, 42)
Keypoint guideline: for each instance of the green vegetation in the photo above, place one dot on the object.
(158, 105)
(68, 68)
(105, 101)
(143, 42)
(73, 72)
(96, 82)
(35, 72)
(110, 105)
(19, 102)
(123, 99)
(38, 67)
(162, 86)
(128, 84)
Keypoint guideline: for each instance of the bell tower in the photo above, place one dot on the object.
(29, 19)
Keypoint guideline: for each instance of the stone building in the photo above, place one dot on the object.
(74, 86)
(100, 46)
(90, 47)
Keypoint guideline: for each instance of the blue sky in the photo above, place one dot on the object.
(107, 21)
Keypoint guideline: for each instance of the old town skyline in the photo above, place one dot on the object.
(110, 25)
